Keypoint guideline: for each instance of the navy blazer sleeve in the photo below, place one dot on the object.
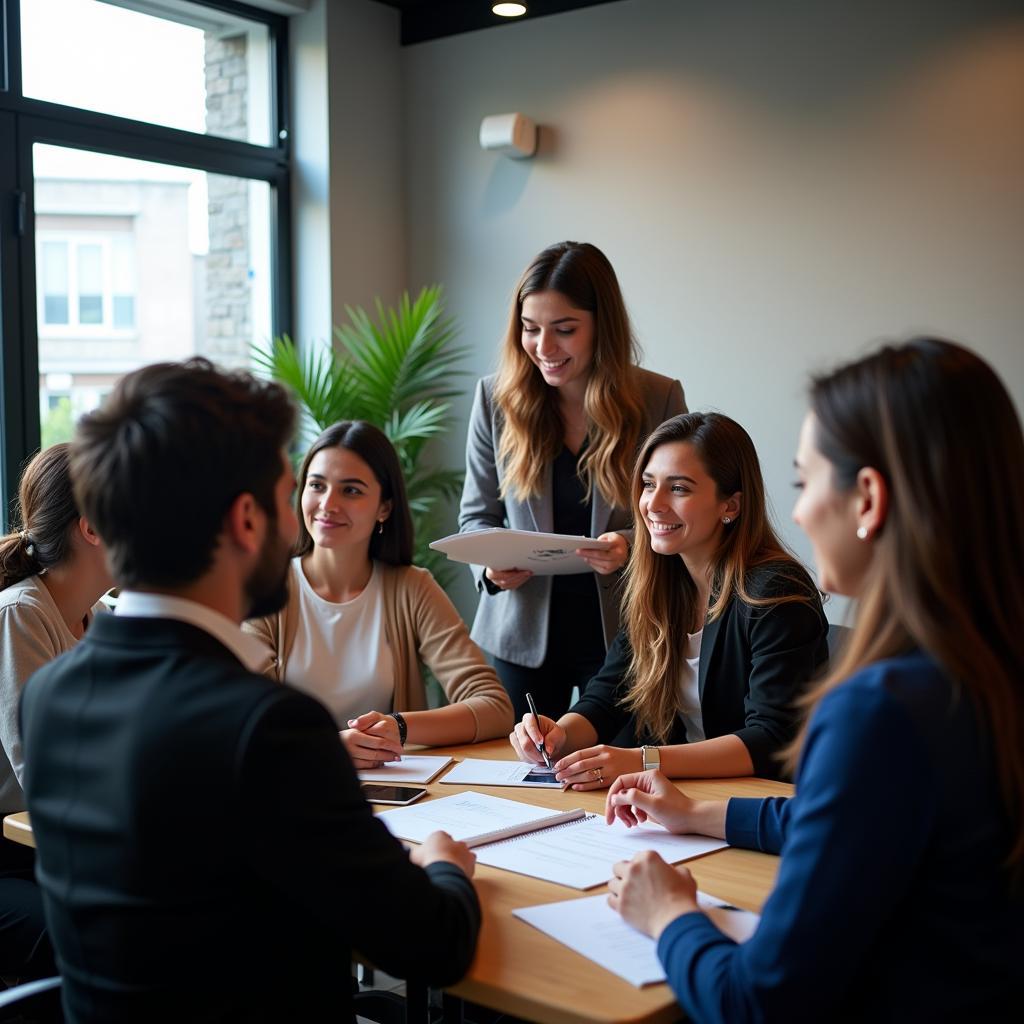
(307, 828)
(848, 859)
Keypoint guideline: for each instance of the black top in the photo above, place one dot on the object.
(204, 849)
(754, 663)
(575, 605)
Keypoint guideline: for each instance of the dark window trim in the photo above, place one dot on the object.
(25, 121)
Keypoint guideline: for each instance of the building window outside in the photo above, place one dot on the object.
(86, 282)
(151, 237)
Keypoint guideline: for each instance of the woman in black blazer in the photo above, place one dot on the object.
(722, 626)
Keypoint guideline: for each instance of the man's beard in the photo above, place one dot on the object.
(267, 587)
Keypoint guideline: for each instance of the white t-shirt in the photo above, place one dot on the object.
(689, 691)
(340, 654)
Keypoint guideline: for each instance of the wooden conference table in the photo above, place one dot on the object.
(521, 971)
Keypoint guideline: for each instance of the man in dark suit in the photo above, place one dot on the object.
(204, 849)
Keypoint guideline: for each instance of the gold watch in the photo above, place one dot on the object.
(652, 757)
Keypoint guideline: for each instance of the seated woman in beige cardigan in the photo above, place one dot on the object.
(361, 618)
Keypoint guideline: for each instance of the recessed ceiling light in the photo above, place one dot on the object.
(509, 10)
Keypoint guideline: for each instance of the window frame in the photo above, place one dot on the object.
(24, 122)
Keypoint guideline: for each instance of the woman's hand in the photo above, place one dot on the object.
(372, 740)
(635, 798)
(531, 731)
(651, 894)
(508, 579)
(597, 767)
(608, 560)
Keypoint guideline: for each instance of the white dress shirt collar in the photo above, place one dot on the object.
(249, 651)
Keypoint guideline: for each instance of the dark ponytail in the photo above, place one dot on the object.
(46, 511)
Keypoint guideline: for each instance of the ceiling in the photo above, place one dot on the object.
(434, 19)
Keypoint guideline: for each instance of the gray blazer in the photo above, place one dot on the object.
(513, 624)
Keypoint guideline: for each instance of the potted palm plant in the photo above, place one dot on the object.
(395, 372)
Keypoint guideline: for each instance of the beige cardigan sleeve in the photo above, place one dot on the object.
(268, 631)
(437, 636)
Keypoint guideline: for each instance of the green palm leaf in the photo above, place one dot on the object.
(397, 372)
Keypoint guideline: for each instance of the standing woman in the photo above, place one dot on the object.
(552, 439)
(52, 573)
(900, 894)
(361, 618)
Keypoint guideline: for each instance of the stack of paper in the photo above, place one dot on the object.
(412, 768)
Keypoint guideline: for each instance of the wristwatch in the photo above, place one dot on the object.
(652, 757)
(403, 729)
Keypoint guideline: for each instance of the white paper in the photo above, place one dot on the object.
(474, 771)
(591, 928)
(546, 554)
(582, 854)
(412, 768)
(465, 816)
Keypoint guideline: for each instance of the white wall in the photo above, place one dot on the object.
(777, 184)
(347, 132)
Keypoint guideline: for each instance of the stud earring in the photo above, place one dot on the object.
(380, 525)
(727, 520)
(862, 533)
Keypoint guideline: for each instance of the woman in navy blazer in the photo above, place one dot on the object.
(723, 627)
(900, 895)
(552, 438)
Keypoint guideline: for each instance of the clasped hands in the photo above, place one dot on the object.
(372, 740)
(602, 560)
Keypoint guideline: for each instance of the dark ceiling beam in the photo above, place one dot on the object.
(422, 21)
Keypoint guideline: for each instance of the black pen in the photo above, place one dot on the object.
(540, 746)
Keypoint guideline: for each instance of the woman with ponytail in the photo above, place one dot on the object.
(900, 893)
(552, 437)
(52, 574)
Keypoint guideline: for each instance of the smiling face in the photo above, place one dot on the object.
(829, 517)
(558, 338)
(341, 499)
(680, 504)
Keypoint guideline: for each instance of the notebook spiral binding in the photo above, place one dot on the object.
(538, 831)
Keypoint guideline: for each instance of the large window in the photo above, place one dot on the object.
(145, 146)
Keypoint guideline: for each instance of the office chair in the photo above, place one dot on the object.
(33, 1000)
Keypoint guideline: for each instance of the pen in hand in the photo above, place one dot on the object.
(540, 746)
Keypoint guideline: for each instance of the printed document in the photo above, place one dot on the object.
(591, 928)
(582, 854)
(546, 554)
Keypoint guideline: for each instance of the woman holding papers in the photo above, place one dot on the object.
(900, 895)
(52, 574)
(722, 626)
(361, 618)
(551, 438)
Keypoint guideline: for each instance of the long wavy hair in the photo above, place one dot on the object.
(532, 430)
(660, 598)
(937, 423)
(46, 512)
(393, 544)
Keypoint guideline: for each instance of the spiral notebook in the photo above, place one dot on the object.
(570, 848)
